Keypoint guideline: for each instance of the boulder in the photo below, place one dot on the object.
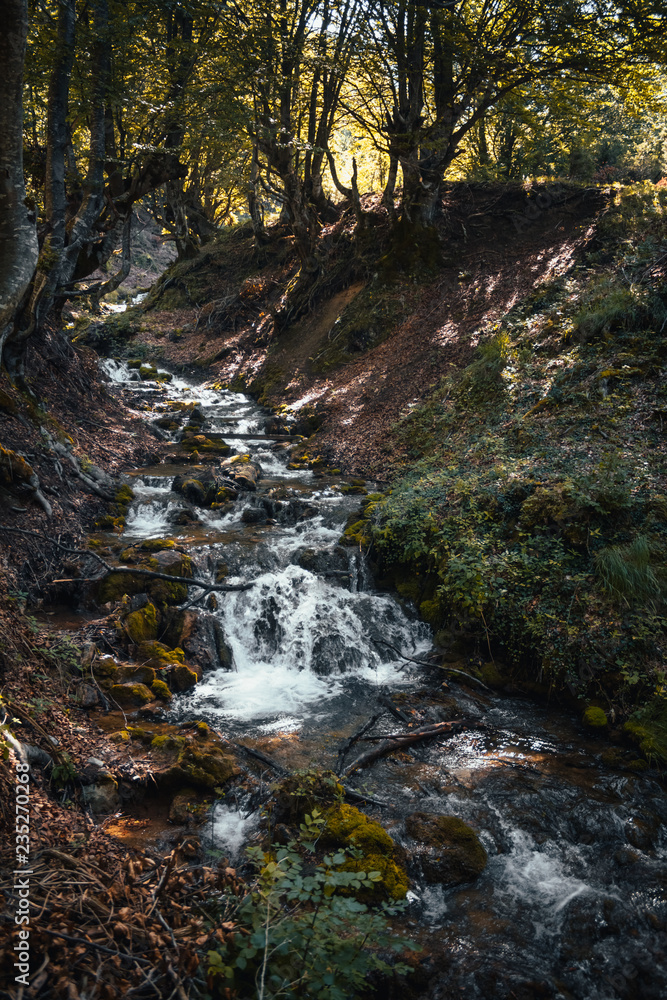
(254, 515)
(202, 640)
(131, 695)
(184, 806)
(451, 853)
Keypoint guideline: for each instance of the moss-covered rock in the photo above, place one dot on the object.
(647, 729)
(142, 625)
(182, 677)
(156, 654)
(186, 806)
(130, 673)
(160, 690)
(595, 717)
(349, 827)
(131, 695)
(454, 852)
(156, 544)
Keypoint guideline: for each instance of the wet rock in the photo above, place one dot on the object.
(254, 515)
(202, 639)
(200, 488)
(142, 625)
(454, 853)
(131, 673)
(180, 677)
(347, 826)
(244, 474)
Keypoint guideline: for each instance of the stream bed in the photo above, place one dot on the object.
(573, 901)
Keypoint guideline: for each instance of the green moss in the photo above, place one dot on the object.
(433, 612)
(647, 728)
(142, 625)
(455, 853)
(595, 718)
(348, 827)
(120, 737)
(124, 495)
(156, 544)
(209, 770)
(166, 743)
(160, 690)
(160, 655)
(131, 695)
(492, 676)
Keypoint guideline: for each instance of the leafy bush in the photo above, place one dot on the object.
(297, 936)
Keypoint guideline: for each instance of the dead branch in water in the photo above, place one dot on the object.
(397, 741)
(433, 666)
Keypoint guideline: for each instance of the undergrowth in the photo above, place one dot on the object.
(532, 513)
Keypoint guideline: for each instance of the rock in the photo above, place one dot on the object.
(142, 625)
(595, 718)
(158, 655)
(202, 639)
(349, 827)
(254, 515)
(35, 756)
(184, 806)
(453, 853)
(160, 690)
(131, 673)
(244, 474)
(102, 797)
(181, 677)
(95, 762)
(88, 696)
(131, 695)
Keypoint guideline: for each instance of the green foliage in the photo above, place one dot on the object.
(298, 935)
(532, 515)
(63, 772)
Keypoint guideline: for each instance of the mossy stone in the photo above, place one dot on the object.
(160, 690)
(349, 827)
(595, 718)
(455, 854)
(131, 695)
(139, 674)
(182, 677)
(157, 654)
(142, 625)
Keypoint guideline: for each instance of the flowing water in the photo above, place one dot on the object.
(573, 902)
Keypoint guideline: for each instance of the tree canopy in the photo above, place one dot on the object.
(209, 112)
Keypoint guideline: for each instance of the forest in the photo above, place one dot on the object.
(333, 514)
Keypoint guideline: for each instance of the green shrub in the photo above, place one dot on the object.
(297, 935)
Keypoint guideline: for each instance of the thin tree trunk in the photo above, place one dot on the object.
(18, 238)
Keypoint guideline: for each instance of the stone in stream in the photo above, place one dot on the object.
(450, 851)
(201, 638)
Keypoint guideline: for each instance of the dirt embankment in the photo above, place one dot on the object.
(383, 325)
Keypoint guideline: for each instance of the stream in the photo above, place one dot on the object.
(573, 901)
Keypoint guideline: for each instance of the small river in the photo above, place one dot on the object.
(573, 902)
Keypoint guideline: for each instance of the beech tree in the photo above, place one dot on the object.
(435, 69)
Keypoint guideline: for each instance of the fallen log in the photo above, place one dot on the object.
(397, 741)
(349, 743)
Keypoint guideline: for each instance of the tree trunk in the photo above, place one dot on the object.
(390, 187)
(18, 238)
